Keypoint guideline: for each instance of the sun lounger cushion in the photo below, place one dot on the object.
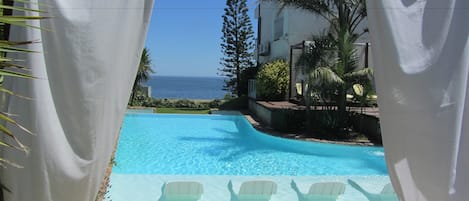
(188, 191)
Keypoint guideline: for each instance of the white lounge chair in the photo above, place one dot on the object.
(253, 191)
(181, 191)
(325, 191)
(299, 89)
(387, 194)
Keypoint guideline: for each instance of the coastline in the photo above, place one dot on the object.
(190, 87)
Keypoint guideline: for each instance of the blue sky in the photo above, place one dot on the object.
(184, 36)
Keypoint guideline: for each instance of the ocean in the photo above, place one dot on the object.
(172, 87)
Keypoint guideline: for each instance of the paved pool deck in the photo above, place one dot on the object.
(134, 187)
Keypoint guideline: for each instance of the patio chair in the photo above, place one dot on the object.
(181, 191)
(387, 194)
(299, 90)
(253, 191)
(325, 191)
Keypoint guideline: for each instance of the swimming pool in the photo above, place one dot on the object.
(228, 145)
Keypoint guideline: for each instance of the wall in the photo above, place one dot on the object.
(298, 25)
(368, 125)
(261, 112)
(292, 120)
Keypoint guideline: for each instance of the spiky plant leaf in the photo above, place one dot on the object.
(5, 117)
(5, 63)
(324, 76)
(359, 73)
(4, 90)
(3, 161)
(10, 49)
(20, 8)
(4, 72)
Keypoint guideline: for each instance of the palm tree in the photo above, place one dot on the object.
(143, 74)
(323, 76)
(344, 17)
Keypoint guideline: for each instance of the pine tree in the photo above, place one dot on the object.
(237, 44)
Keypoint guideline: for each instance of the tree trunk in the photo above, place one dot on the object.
(238, 81)
(132, 96)
(308, 116)
(342, 108)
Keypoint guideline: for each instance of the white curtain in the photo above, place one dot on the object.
(421, 57)
(85, 68)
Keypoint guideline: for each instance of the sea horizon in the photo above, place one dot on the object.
(186, 87)
(190, 76)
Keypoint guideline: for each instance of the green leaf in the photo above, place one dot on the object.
(5, 117)
(2, 143)
(6, 131)
(324, 76)
(5, 187)
(5, 62)
(4, 59)
(14, 74)
(31, 2)
(15, 49)
(22, 24)
(20, 8)
(21, 146)
(2, 89)
(12, 65)
(22, 18)
(15, 43)
(2, 160)
(359, 73)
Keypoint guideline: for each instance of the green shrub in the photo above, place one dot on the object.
(229, 96)
(215, 103)
(272, 80)
(184, 103)
(178, 103)
(239, 103)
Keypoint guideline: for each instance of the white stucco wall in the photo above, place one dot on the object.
(298, 25)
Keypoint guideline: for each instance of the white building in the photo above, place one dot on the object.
(281, 33)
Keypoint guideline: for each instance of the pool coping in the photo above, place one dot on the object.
(259, 126)
(148, 187)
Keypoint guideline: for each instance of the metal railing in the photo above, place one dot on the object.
(252, 88)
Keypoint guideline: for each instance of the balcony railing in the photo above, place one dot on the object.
(252, 88)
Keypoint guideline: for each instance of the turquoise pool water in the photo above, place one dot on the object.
(228, 145)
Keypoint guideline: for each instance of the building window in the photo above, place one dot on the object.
(278, 28)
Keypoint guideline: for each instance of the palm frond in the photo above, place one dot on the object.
(4, 72)
(20, 8)
(5, 161)
(12, 49)
(359, 73)
(6, 66)
(5, 117)
(3, 90)
(20, 146)
(347, 59)
(318, 53)
(324, 76)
